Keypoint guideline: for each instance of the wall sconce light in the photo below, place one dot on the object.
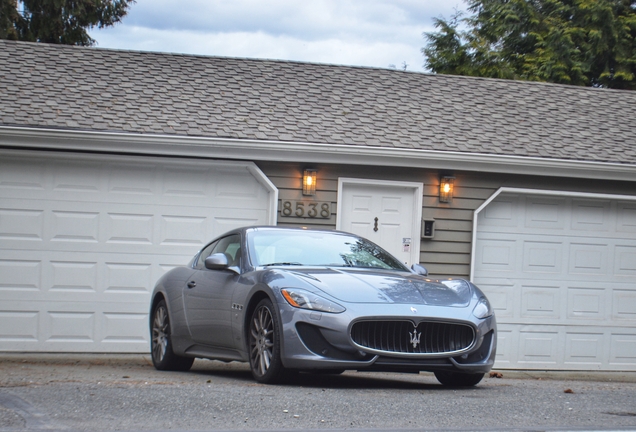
(446, 184)
(309, 182)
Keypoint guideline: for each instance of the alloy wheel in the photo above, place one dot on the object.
(262, 340)
(160, 329)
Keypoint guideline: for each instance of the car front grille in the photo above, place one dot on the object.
(402, 337)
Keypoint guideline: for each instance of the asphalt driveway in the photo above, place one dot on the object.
(124, 392)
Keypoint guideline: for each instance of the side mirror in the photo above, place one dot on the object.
(419, 269)
(217, 261)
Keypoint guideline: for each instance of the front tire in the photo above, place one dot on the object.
(264, 343)
(455, 379)
(161, 344)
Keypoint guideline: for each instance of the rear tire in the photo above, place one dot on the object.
(456, 379)
(264, 342)
(161, 342)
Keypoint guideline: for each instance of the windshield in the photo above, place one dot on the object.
(316, 248)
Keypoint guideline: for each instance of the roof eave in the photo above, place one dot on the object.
(284, 151)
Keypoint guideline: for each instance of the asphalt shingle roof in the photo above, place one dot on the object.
(65, 87)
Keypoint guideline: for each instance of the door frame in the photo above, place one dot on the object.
(416, 224)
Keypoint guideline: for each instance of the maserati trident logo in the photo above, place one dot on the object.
(415, 338)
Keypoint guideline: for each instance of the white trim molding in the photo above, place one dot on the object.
(418, 192)
(532, 192)
(255, 150)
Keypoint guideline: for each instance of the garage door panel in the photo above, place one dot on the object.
(547, 255)
(69, 326)
(231, 185)
(544, 302)
(18, 324)
(623, 349)
(564, 347)
(564, 298)
(625, 261)
(131, 230)
(502, 297)
(584, 349)
(83, 239)
(497, 255)
(546, 213)
(182, 230)
(83, 276)
(15, 179)
(589, 259)
(626, 219)
(624, 305)
(506, 340)
(540, 302)
(128, 277)
(538, 348)
(19, 274)
(20, 223)
(132, 179)
(588, 215)
(72, 276)
(502, 213)
(586, 303)
(74, 226)
(542, 257)
(120, 327)
(189, 182)
(144, 184)
(77, 176)
(74, 326)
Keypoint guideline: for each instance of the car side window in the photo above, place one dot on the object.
(204, 254)
(231, 247)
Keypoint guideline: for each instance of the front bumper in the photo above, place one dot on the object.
(314, 340)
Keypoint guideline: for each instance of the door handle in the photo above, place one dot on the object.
(192, 284)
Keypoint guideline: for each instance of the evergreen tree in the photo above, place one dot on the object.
(58, 21)
(579, 42)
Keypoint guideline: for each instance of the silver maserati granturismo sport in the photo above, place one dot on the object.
(294, 300)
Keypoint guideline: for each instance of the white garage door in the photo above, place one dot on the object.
(84, 238)
(561, 274)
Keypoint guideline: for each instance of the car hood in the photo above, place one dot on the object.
(377, 286)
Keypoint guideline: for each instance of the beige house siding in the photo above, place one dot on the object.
(449, 252)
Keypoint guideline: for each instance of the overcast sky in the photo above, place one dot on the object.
(376, 33)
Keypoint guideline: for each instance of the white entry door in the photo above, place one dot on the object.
(560, 271)
(387, 213)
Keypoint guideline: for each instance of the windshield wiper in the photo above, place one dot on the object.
(283, 264)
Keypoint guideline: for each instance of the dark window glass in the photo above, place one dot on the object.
(204, 254)
(317, 248)
(231, 247)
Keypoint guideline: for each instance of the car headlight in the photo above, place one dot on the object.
(483, 309)
(307, 300)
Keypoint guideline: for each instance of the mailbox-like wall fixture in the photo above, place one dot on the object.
(428, 228)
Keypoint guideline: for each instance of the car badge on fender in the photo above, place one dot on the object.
(415, 338)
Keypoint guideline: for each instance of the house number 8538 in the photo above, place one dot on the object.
(306, 209)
